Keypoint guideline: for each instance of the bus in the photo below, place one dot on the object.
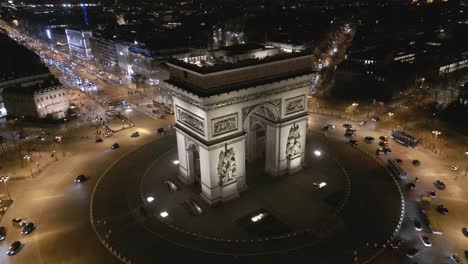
(404, 139)
(396, 170)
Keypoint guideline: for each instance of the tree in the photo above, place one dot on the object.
(139, 81)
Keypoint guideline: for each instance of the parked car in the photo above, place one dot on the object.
(115, 146)
(440, 184)
(347, 126)
(412, 252)
(14, 248)
(135, 134)
(2, 233)
(363, 123)
(387, 150)
(425, 240)
(383, 138)
(163, 117)
(411, 186)
(80, 178)
(161, 131)
(416, 162)
(375, 119)
(108, 134)
(98, 140)
(399, 161)
(465, 231)
(454, 168)
(369, 139)
(353, 142)
(18, 222)
(432, 193)
(28, 229)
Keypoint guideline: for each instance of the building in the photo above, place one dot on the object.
(228, 113)
(43, 98)
(78, 42)
(104, 50)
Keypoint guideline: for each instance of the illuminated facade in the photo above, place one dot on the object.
(226, 116)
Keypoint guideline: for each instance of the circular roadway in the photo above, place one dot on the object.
(133, 231)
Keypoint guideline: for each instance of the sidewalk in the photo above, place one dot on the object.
(22, 169)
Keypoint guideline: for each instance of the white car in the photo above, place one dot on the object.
(425, 240)
(454, 168)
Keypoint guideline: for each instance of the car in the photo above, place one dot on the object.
(442, 209)
(115, 146)
(383, 138)
(328, 127)
(108, 134)
(417, 225)
(155, 111)
(2, 233)
(369, 139)
(98, 140)
(383, 143)
(379, 151)
(411, 186)
(135, 134)
(40, 138)
(375, 119)
(18, 222)
(353, 142)
(465, 231)
(347, 126)
(13, 249)
(416, 163)
(28, 229)
(432, 193)
(163, 117)
(455, 259)
(80, 178)
(161, 131)
(387, 150)
(412, 252)
(149, 105)
(396, 243)
(425, 240)
(454, 168)
(440, 184)
(363, 123)
(399, 161)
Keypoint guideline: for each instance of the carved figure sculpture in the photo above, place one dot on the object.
(293, 147)
(227, 166)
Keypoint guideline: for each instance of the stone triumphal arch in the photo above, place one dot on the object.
(232, 113)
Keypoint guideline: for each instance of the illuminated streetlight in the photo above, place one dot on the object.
(436, 133)
(28, 158)
(4, 179)
(390, 114)
(175, 162)
(317, 153)
(150, 199)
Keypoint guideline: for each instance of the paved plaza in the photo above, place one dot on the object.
(359, 206)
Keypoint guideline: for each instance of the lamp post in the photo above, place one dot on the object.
(4, 179)
(28, 158)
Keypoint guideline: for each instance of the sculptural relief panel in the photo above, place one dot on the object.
(194, 122)
(224, 124)
(294, 105)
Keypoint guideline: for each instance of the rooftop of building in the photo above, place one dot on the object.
(223, 66)
(32, 88)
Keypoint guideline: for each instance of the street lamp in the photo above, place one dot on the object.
(436, 133)
(318, 153)
(4, 179)
(28, 158)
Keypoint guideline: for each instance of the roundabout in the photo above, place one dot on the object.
(138, 216)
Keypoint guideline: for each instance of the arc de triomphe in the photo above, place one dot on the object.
(228, 115)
